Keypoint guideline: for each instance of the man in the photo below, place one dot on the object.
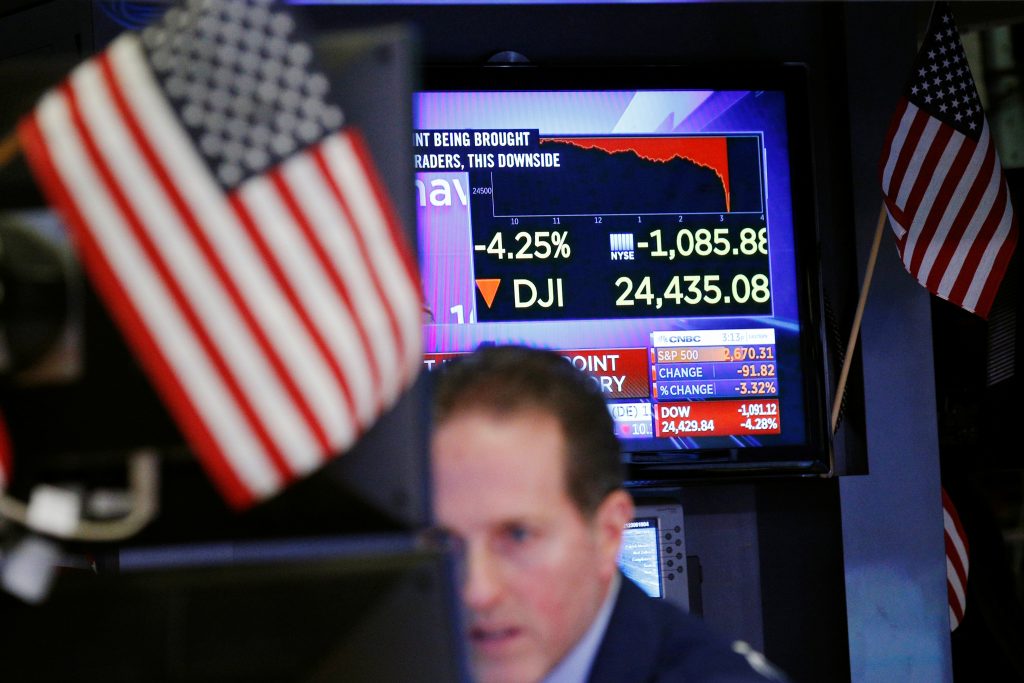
(528, 487)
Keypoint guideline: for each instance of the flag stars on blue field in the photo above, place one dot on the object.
(242, 84)
(941, 76)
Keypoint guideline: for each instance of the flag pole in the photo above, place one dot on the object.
(852, 343)
(9, 148)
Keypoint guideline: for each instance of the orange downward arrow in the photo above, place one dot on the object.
(488, 288)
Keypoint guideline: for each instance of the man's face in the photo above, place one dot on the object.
(535, 570)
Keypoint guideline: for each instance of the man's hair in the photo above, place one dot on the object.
(508, 379)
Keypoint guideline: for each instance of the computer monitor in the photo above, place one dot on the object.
(656, 227)
(653, 552)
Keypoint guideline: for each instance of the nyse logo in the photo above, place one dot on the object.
(621, 246)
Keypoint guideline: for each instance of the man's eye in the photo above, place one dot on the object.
(517, 533)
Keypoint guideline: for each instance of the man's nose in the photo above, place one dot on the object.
(482, 582)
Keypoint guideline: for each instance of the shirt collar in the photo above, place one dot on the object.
(575, 666)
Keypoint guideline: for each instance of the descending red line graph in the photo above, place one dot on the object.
(708, 151)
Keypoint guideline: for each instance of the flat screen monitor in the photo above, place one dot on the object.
(655, 225)
(653, 552)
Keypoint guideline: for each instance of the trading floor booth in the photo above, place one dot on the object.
(792, 538)
(676, 198)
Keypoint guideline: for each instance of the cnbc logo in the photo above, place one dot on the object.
(621, 246)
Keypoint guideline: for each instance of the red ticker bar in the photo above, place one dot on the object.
(717, 418)
(432, 361)
(621, 373)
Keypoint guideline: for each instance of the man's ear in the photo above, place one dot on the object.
(612, 515)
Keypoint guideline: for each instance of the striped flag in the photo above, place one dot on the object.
(6, 466)
(943, 185)
(957, 561)
(239, 237)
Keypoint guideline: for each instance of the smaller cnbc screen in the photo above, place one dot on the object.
(650, 232)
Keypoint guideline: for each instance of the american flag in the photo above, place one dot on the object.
(957, 561)
(943, 185)
(240, 238)
(5, 456)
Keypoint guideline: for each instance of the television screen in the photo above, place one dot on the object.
(655, 226)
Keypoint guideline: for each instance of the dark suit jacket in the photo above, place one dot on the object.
(653, 641)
